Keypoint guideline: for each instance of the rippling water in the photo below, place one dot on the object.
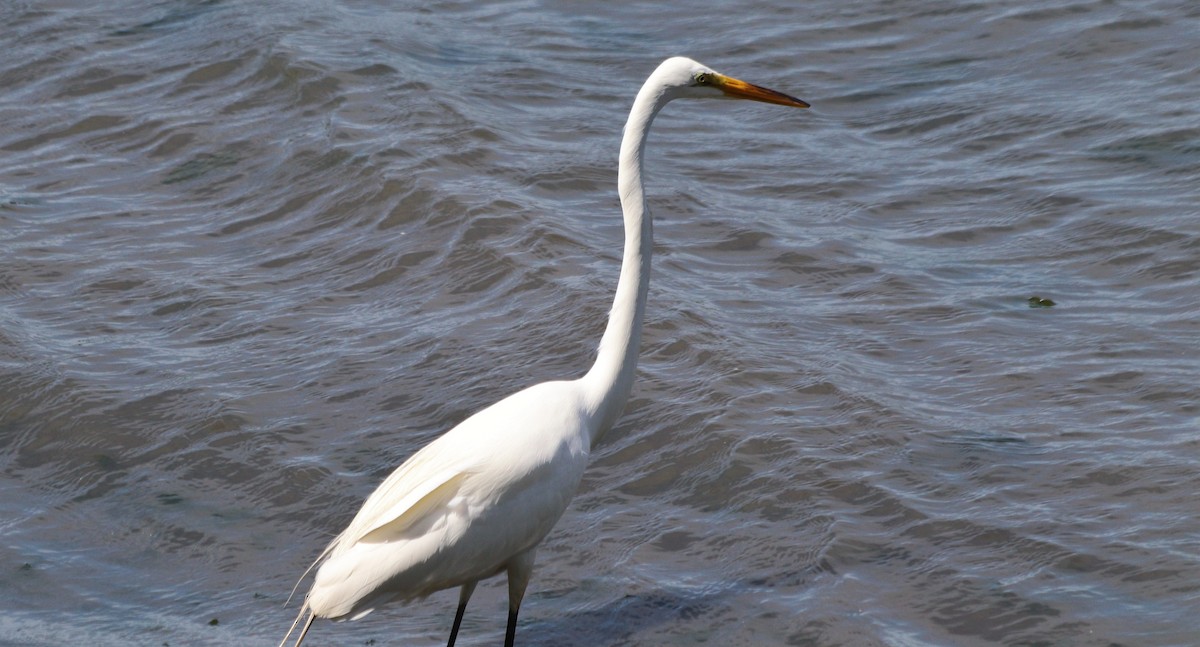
(253, 255)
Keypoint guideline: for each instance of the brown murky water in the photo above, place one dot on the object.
(253, 255)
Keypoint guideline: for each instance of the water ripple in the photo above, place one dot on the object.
(253, 256)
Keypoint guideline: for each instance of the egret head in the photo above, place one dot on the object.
(683, 77)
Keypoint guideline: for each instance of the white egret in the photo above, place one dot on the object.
(476, 501)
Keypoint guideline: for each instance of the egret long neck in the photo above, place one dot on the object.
(610, 379)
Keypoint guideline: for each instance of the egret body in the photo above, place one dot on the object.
(476, 501)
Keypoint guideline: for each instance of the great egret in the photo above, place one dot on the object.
(476, 501)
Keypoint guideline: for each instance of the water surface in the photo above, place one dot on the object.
(253, 255)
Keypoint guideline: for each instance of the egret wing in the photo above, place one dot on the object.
(423, 483)
(431, 495)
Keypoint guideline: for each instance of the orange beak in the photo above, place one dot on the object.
(739, 89)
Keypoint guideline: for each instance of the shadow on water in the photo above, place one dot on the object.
(187, 11)
(622, 619)
(638, 617)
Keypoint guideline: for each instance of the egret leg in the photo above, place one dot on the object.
(463, 597)
(510, 634)
(520, 568)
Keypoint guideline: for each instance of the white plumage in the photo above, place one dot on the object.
(445, 517)
(478, 500)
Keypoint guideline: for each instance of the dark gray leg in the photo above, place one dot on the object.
(520, 568)
(511, 633)
(463, 597)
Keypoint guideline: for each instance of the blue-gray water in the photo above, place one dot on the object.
(253, 255)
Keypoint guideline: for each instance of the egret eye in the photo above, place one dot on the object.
(703, 78)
